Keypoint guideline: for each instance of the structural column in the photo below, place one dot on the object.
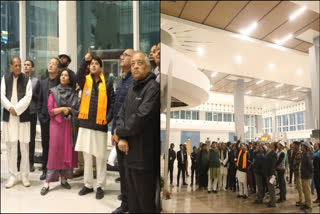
(275, 137)
(136, 36)
(259, 124)
(22, 31)
(315, 80)
(68, 31)
(309, 120)
(239, 108)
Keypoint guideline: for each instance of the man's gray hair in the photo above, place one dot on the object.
(146, 58)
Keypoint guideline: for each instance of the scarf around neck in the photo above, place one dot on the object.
(65, 96)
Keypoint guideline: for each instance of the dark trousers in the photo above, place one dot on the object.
(259, 181)
(282, 184)
(45, 131)
(271, 190)
(193, 174)
(32, 143)
(170, 169)
(182, 168)
(123, 183)
(316, 178)
(291, 174)
(232, 178)
(141, 190)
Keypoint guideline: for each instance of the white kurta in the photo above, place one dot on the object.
(92, 142)
(14, 130)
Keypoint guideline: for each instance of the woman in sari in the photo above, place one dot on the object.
(63, 107)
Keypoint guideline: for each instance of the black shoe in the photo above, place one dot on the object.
(177, 185)
(32, 169)
(184, 184)
(85, 190)
(209, 192)
(239, 196)
(120, 197)
(271, 205)
(298, 204)
(121, 210)
(43, 176)
(117, 180)
(244, 196)
(279, 200)
(44, 190)
(214, 191)
(258, 202)
(66, 185)
(100, 193)
(191, 184)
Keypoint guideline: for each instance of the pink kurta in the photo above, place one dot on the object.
(61, 152)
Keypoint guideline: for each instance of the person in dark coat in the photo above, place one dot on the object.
(138, 136)
(316, 171)
(172, 157)
(182, 162)
(193, 164)
(268, 170)
(257, 169)
(203, 166)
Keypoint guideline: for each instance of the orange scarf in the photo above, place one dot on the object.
(102, 100)
(244, 160)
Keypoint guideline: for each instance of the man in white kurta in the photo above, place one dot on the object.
(14, 130)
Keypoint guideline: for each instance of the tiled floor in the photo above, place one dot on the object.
(188, 199)
(58, 200)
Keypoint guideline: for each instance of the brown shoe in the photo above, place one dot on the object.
(316, 201)
(78, 173)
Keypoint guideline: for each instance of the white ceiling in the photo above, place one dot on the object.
(312, 5)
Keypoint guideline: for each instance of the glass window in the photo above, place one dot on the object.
(300, 118)
(188, 115)
(292, 119)
(215, 116)
(227, 117)
(195, 115)
(176, 114)
(209, 116)
(219, 116)
(300, 127)
(42, 34)
(149, 24)
(183, 114)
(284, 120)
(246, 120)
(10, 43)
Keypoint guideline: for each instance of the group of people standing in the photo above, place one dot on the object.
(257, 167)
(74, 110)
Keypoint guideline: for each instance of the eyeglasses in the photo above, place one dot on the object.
(124, 55)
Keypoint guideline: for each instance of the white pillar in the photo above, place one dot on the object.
(315, 78)
(309, 119)
(238, 96)
(22, 31)
(68, 31)
(136, 38)
(274, 131)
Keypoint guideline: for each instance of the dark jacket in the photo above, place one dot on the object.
(306, 165)
(139, 123)
(241, 159)
(269, 165)
(45, 85)
(121, 93)
(291, 158)
(35, 95)
(90, 123)
(172, 157)
(21, 92)
(316, 164)
(214, 158)
(258, 163)
(203, 162)
(194, 160)
(179, 158)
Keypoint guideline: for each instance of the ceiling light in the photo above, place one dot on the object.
(297, 88)
(211, 86)
(249, 92)
(297, 13)
(260, 81)
(263, 95)
(239, 59)
(279, 85)
(271, 66)
(295, 98)
(299, 72)
(200, 51)
(214, 74)
(280, 42)
(249, 29)
(280, 97)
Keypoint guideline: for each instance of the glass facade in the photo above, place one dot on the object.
(219, 116)
(42, 34)
(10, 41)
(149, 23)
(185, 115)
(267, 125)
(249, 121)
(291, 122)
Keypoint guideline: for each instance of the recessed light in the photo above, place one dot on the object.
(297, 88)
(279, 85)
(214, 74)
(280, 42)
(271, 66)
(249, 29)
(299, 72)
(259, 82)
(280, 97)
(211, 86)
(239, 59)
(249, 92)
(200, 51)
(297, 13)
(263, 95)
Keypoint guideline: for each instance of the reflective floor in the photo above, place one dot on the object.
(187, 199)
(28, 199)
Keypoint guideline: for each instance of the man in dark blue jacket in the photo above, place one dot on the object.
(138, 136)
(121, 93)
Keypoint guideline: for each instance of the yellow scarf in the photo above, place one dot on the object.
(102, 100)
(244, 160)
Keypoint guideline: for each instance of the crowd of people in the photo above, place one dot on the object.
(252, 168)
(74, 110)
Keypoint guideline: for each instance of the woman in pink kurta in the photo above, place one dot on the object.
(62, 105)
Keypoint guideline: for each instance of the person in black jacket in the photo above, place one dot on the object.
(172, 157)
(182, 159)
(121, 93)
(291, 153)
(257, 168)
(138, 136)
(268, 170)
(193, 164)
(94, 115)
(43, 115)
(316, 170)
